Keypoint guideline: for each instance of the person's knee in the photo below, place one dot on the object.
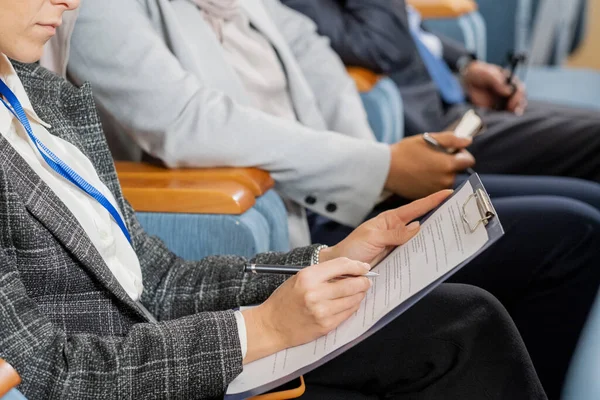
(553, 219)
(478, 309)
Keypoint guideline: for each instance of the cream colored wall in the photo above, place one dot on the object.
(588, 55)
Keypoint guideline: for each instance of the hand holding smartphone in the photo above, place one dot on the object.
(468, 126)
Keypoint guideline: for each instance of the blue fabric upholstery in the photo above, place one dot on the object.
(572, 87)
(193, 236)
(583, 379)
(501, 22)
(580, 28)
(469, 29)
(273, 210)
(384, 111)
(13, 395)
(499, 19)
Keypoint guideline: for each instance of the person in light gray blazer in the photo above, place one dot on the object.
(93, 307)
(165, 87)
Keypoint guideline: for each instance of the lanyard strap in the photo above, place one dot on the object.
(14, 106)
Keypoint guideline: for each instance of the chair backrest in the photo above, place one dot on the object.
(383, 104)
(510, 24)
(9, 378)
(553, 31)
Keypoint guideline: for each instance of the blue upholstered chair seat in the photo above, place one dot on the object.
(568, 86)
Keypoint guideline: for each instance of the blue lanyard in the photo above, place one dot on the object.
(14, 106)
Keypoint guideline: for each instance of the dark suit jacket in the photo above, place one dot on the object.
(375, 34)
(67, 326)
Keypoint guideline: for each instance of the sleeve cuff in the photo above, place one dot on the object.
(241, 325)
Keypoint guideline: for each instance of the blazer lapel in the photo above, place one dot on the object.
(45, 206)
(74, 119)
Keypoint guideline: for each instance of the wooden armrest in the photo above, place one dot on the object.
(9, 378)
(365, 80)
(430, 9)
(256, 180)
(175, 195)
(284, 395)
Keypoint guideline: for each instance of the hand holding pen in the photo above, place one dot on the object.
(505, 103)
(313, 302)
(431, 141)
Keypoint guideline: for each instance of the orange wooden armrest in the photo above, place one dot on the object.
(256, 180)
(176, 195)
(9, 378)
(284, 395)
(363, 78)
(430, 9)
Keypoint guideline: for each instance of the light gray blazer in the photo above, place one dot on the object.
(160, 78)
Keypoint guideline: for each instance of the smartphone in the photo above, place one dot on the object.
(469, 126)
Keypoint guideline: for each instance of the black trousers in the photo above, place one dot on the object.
(547, 140)
(457, 343)
(545, 271)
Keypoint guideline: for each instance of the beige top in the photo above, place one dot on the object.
(251, 55)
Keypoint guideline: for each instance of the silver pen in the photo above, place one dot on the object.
(289, 270)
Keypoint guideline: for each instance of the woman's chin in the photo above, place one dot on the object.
(26, 54)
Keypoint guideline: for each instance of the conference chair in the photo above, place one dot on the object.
(206, 211)
(510, 25)
(383, 103)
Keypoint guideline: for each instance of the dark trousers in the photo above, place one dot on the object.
(457, 343)
(545, 270)
(547, 140)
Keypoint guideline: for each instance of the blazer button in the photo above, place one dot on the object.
(331, 207)
(310, 200)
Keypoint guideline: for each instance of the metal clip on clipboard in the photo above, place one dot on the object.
(484, 205)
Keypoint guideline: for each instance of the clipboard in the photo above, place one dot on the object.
(483, 213)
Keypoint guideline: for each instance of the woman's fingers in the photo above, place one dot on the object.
(348, 287)
(336, 268)
(415, 209)
(334, 307)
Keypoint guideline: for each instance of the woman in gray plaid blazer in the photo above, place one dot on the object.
(72, 331)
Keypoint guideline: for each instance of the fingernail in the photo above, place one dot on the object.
(413, 226)
(464, 156)
(367, 266)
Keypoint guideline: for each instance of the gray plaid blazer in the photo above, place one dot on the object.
(67, 326)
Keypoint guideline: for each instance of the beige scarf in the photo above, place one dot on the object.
(217, 11)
